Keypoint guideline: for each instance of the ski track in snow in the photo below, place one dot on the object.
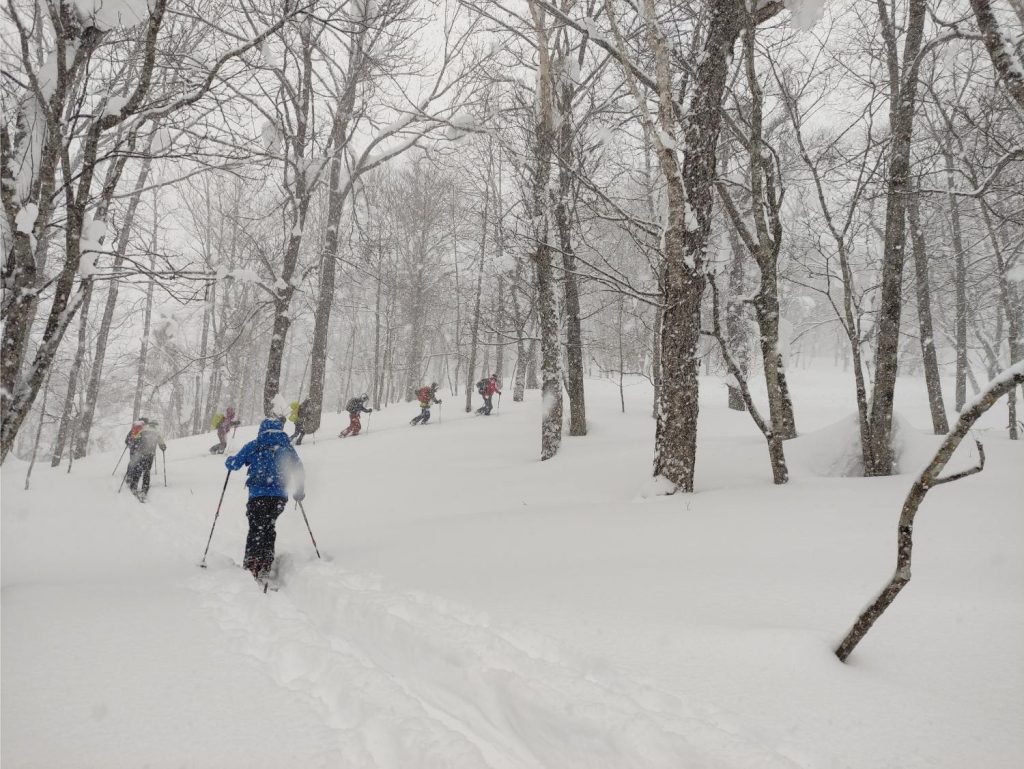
(407, 679)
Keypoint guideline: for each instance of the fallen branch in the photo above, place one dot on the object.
(930, 477)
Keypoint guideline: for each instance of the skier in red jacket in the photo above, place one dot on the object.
(487, 388)
(426, 396)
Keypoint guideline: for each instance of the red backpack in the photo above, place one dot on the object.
(423, 394)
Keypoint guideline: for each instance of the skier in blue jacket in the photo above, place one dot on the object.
(274, 470)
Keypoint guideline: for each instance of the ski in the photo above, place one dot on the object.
(266, 583)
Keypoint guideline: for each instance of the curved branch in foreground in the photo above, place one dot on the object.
(929, 477)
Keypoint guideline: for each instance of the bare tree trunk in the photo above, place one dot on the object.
(474, 338)
(768, 313)
(499, 317)
(519, 319)
(959, 287)
(570, 285)
(140, 377)
(902, 95)
(551, 353)
(64, 434)
(622, 363)
(198, 412)
(924, 313)
(928, 479)
(217, 370)
(776, 452)
(656, 367)
(532, 381)
(300, 194)
(377, 372)
(1009, 66)
(690, 204)
(338, 192)
(39, 432)
(417, 311)
(349, 364)
(735, 324)
(547, 304)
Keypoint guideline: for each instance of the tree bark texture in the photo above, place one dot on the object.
(300, 192)
(67, 414)
(685, 241)
(547, 304)
(902, 95)
(474, 332)
(570, 283)
(959, 288)
(924, 314)
(140, 373)
(1007, 63)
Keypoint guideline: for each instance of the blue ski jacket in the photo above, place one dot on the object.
(274, 467)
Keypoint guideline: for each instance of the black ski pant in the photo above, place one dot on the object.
(138, 470)
(423, 417)
(486, 408)
(262, 513)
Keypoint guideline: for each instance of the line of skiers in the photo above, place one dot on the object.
(274, 467)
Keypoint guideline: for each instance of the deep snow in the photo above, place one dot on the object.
(478, 608)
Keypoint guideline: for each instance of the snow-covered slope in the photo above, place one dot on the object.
(478, 608)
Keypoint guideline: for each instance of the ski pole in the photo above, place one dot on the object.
(216, 515)
(368, 422)
(165, 468)
(498, 407)
(119, 460)
(303, 509)
(125, 477)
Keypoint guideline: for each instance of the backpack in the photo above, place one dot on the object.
(423, 394)
(149, 439)
(217, 419)
(481, 386)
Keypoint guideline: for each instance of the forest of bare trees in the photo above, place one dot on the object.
(211, 202)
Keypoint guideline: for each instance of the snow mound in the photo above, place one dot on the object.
(834, 451)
